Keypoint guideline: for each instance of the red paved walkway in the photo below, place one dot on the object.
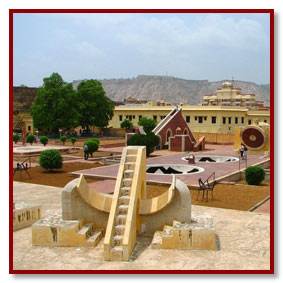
(264, 208)
(220, 169)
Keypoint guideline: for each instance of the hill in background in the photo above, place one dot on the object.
(173, 90)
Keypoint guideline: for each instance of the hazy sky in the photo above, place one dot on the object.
(104, 46)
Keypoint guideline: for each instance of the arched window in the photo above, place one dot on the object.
(186, 132)
(168, 134)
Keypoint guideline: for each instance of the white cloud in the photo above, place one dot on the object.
(214, 30)
(85, 48)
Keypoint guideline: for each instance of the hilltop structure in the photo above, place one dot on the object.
(230, 96)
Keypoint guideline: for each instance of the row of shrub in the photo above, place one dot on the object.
(44, 140)
(52, 159)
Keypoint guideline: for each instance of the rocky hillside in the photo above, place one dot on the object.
(173, 89)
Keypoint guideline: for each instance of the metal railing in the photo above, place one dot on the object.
(243, 160)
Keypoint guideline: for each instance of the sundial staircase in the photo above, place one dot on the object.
(124, 220)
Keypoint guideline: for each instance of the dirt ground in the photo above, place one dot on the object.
(239, 197)
(80, 153)
(224, 196)
(66, 156)
(57, 178)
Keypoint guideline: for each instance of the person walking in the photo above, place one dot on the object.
(245, 152)
(242, 149)
(86, 152)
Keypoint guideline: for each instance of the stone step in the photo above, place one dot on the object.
(167, 231)
(119, 229)
(130, 165)
(127, 182)
(124, 200)
(129, 173)
(157, 240)
(116, 253)
(87, 230)
(131, 158)
(125, 191)
(132, 151)
(120, 219)
(122, 209)
(117, 240)
(94, 239)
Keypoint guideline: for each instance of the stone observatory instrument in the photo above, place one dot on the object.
(253, 137)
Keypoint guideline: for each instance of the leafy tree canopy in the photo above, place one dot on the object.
(127, 124)
(94, 107)
(149, 140)
(148, 124)
(55, 105)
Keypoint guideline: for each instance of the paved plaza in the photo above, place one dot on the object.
(242, 243)
(221, 169)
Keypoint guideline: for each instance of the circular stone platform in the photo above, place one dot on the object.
(213, 158)
(162, 169)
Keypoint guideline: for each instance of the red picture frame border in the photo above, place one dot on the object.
(267, 11)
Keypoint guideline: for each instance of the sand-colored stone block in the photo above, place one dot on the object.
(25, 214)
(197, 235)
(54, 231)
(116, 254)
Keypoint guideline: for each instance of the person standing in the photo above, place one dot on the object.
(245, 152)
(86, 152)
(242, 149)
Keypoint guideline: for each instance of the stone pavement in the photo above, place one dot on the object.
(220, 169)
(242, 240)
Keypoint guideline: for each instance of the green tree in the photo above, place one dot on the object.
(44, 140)
(55, 105)
(63, 139)
(16, 138)
(73, 140)
(126, 124)
(94, 107)
(150, 141)
(30, 138)
(148, 124)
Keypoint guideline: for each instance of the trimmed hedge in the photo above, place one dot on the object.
(92, 146)
(96, 140)
(254, 175)
(51, 159)
(73, 140)
(44, 140)
(30, 138)
(16, 138)
(63, 139)
(150, 141)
